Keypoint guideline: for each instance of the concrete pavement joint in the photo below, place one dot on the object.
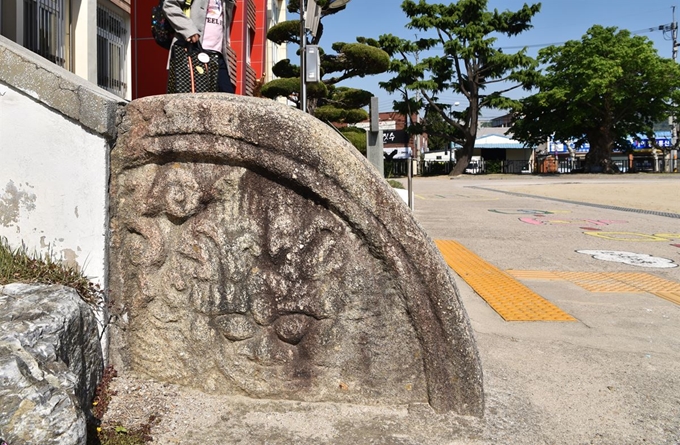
(589, 204)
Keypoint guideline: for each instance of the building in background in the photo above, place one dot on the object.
(90, 38)
(276, 13)
(109, 42)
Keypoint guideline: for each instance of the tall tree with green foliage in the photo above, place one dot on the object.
(440, 134)
(325, 99)
(458, 55)
(601, 90)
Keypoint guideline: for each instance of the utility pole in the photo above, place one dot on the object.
(312, 24)
(374, 138)
(674, 119)
(303, 69)
(674, 34)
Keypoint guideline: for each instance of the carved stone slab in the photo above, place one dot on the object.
(254, 251)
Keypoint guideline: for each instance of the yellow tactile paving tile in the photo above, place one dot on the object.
(621, 282)
(598, 282)
(648, 282)
(511, 299)
(670, 296)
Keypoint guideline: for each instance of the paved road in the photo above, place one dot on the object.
(611, 377)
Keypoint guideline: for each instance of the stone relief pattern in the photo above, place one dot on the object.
(272, 291)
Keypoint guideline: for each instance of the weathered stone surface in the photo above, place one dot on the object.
(60, 89)
(50, 363)
(255, 252)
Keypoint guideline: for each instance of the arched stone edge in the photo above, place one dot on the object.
(304, 154)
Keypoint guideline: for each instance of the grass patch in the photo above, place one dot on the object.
(19, 266)
(396, 184)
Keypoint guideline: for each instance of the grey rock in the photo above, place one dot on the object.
(50, 364)
(255, 252)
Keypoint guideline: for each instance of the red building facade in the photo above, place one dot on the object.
(248, 43)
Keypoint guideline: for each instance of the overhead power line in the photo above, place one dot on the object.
(664, 28)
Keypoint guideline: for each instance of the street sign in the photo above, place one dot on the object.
(394, 137)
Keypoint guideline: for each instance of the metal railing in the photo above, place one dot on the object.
(398, 167)
(517, 167)
(434, 168)
(112, 39)
(44, 29)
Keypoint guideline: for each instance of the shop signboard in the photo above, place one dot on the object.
(561, 147)
(395, 137)
(647, 143)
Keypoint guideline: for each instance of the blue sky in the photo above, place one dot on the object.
(558, 21)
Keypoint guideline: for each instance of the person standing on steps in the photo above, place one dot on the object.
(208, 22)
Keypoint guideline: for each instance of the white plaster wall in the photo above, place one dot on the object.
(53, 184)
(128, 61)
(85, 41)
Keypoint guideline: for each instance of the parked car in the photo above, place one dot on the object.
(620, 166)
(476, 165)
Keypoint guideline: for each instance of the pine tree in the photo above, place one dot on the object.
(460, 58)
(325, 99)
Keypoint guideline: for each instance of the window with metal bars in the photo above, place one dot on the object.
(112, 39)
(44, 29)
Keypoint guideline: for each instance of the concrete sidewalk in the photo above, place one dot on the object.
(611, 377)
